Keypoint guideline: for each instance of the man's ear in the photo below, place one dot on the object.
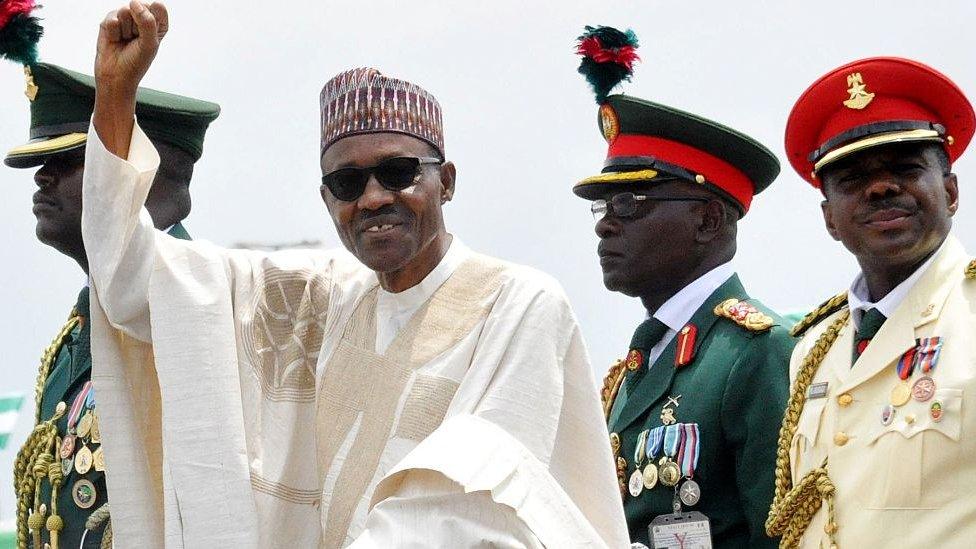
(952, 193)
(326, 195)
(448, 178)
(712, 221)
(829, 219)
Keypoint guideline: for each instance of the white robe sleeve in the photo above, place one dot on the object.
(118, 232)
(471, 484)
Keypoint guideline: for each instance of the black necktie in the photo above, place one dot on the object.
(647, 335)
(870, 324)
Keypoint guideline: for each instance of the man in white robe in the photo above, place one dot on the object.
(299, 399)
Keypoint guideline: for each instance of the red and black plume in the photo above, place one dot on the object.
(608, 58)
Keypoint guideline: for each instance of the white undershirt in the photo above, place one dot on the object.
(679, 308)
(394, 310)
(859, 298)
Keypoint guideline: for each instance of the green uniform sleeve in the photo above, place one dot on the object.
(752, 411)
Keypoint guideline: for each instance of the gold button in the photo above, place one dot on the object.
(845, 400)
(841, 438)
(909, 419)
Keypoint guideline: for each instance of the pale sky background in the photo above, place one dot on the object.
(520, 124)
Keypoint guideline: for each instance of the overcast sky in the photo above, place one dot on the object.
(520, 124)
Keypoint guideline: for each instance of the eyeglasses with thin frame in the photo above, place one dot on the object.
(394, 174)
(623, 205)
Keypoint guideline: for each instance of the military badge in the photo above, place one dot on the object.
(634, 360)
(685, 352)
(744, 315)
(936, 412)
(609, 123)
(859, 96)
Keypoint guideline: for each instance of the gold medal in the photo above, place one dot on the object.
(96, 435)
(98, 459)
(84, 494)
(83, 460)
(901, 394)
(669, 474)
(650, 476)
(84, 425)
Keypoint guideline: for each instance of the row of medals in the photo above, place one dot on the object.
(666, 471)
(922, 391)
(82, 459)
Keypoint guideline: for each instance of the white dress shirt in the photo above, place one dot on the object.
(394, 310)
(679, 308)
(859, 299)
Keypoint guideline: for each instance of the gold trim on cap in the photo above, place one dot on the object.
(49, 145)
(619, 177)
(875, 140)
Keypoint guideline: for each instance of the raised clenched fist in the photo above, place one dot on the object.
(127, 43)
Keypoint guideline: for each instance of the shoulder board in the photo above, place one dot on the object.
(824, 310)
(971, 270)
(611, 385)
(744, 315)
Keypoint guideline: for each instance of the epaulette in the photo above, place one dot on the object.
(971, 270)
(824, 310)
(611, 385)
(744, 315)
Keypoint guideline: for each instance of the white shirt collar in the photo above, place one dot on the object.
(415, 296)
(678, 310)
(859, 299)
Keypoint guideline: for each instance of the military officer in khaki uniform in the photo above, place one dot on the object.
(60, 471)
(877, 443)
(694, 409)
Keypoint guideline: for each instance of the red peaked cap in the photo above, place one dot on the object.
(873, 102)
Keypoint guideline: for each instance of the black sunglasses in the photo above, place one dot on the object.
(394, 174)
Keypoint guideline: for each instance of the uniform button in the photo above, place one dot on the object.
(841, 438)
(845, 400)
(909, 419)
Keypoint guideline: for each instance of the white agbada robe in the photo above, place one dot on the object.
(243, 402)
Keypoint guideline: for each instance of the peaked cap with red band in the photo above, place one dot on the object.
(874, 102)
(650, 142)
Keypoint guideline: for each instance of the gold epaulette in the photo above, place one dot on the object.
(971, 270)
(744, 315)
(824, 310)
(611, 385)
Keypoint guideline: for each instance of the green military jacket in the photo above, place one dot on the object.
(80, 494)
(734, 388)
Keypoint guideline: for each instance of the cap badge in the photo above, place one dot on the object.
(32, 89)
(859, 98)
(609, 123)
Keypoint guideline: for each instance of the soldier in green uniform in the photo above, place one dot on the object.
(694, 409)
(60, 471)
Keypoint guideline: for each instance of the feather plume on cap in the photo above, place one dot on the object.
(19, 31)
(608, 58)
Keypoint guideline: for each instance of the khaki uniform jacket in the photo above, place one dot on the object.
(909, 483)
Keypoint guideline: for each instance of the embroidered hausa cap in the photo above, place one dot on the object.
(650, 143)
(874, 102)
(363, 100)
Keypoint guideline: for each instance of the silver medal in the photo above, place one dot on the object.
(689, 493)
(636, 483)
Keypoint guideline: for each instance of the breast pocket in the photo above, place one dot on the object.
(803, 451)
(913, 456)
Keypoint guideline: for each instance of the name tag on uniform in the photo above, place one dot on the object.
(817, 390)
(680, 531)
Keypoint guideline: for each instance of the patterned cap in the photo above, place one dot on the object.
(362, 101)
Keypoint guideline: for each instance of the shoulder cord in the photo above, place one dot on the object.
(36, 458)
(793, 507)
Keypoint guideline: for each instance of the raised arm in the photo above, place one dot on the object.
(120, 164)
